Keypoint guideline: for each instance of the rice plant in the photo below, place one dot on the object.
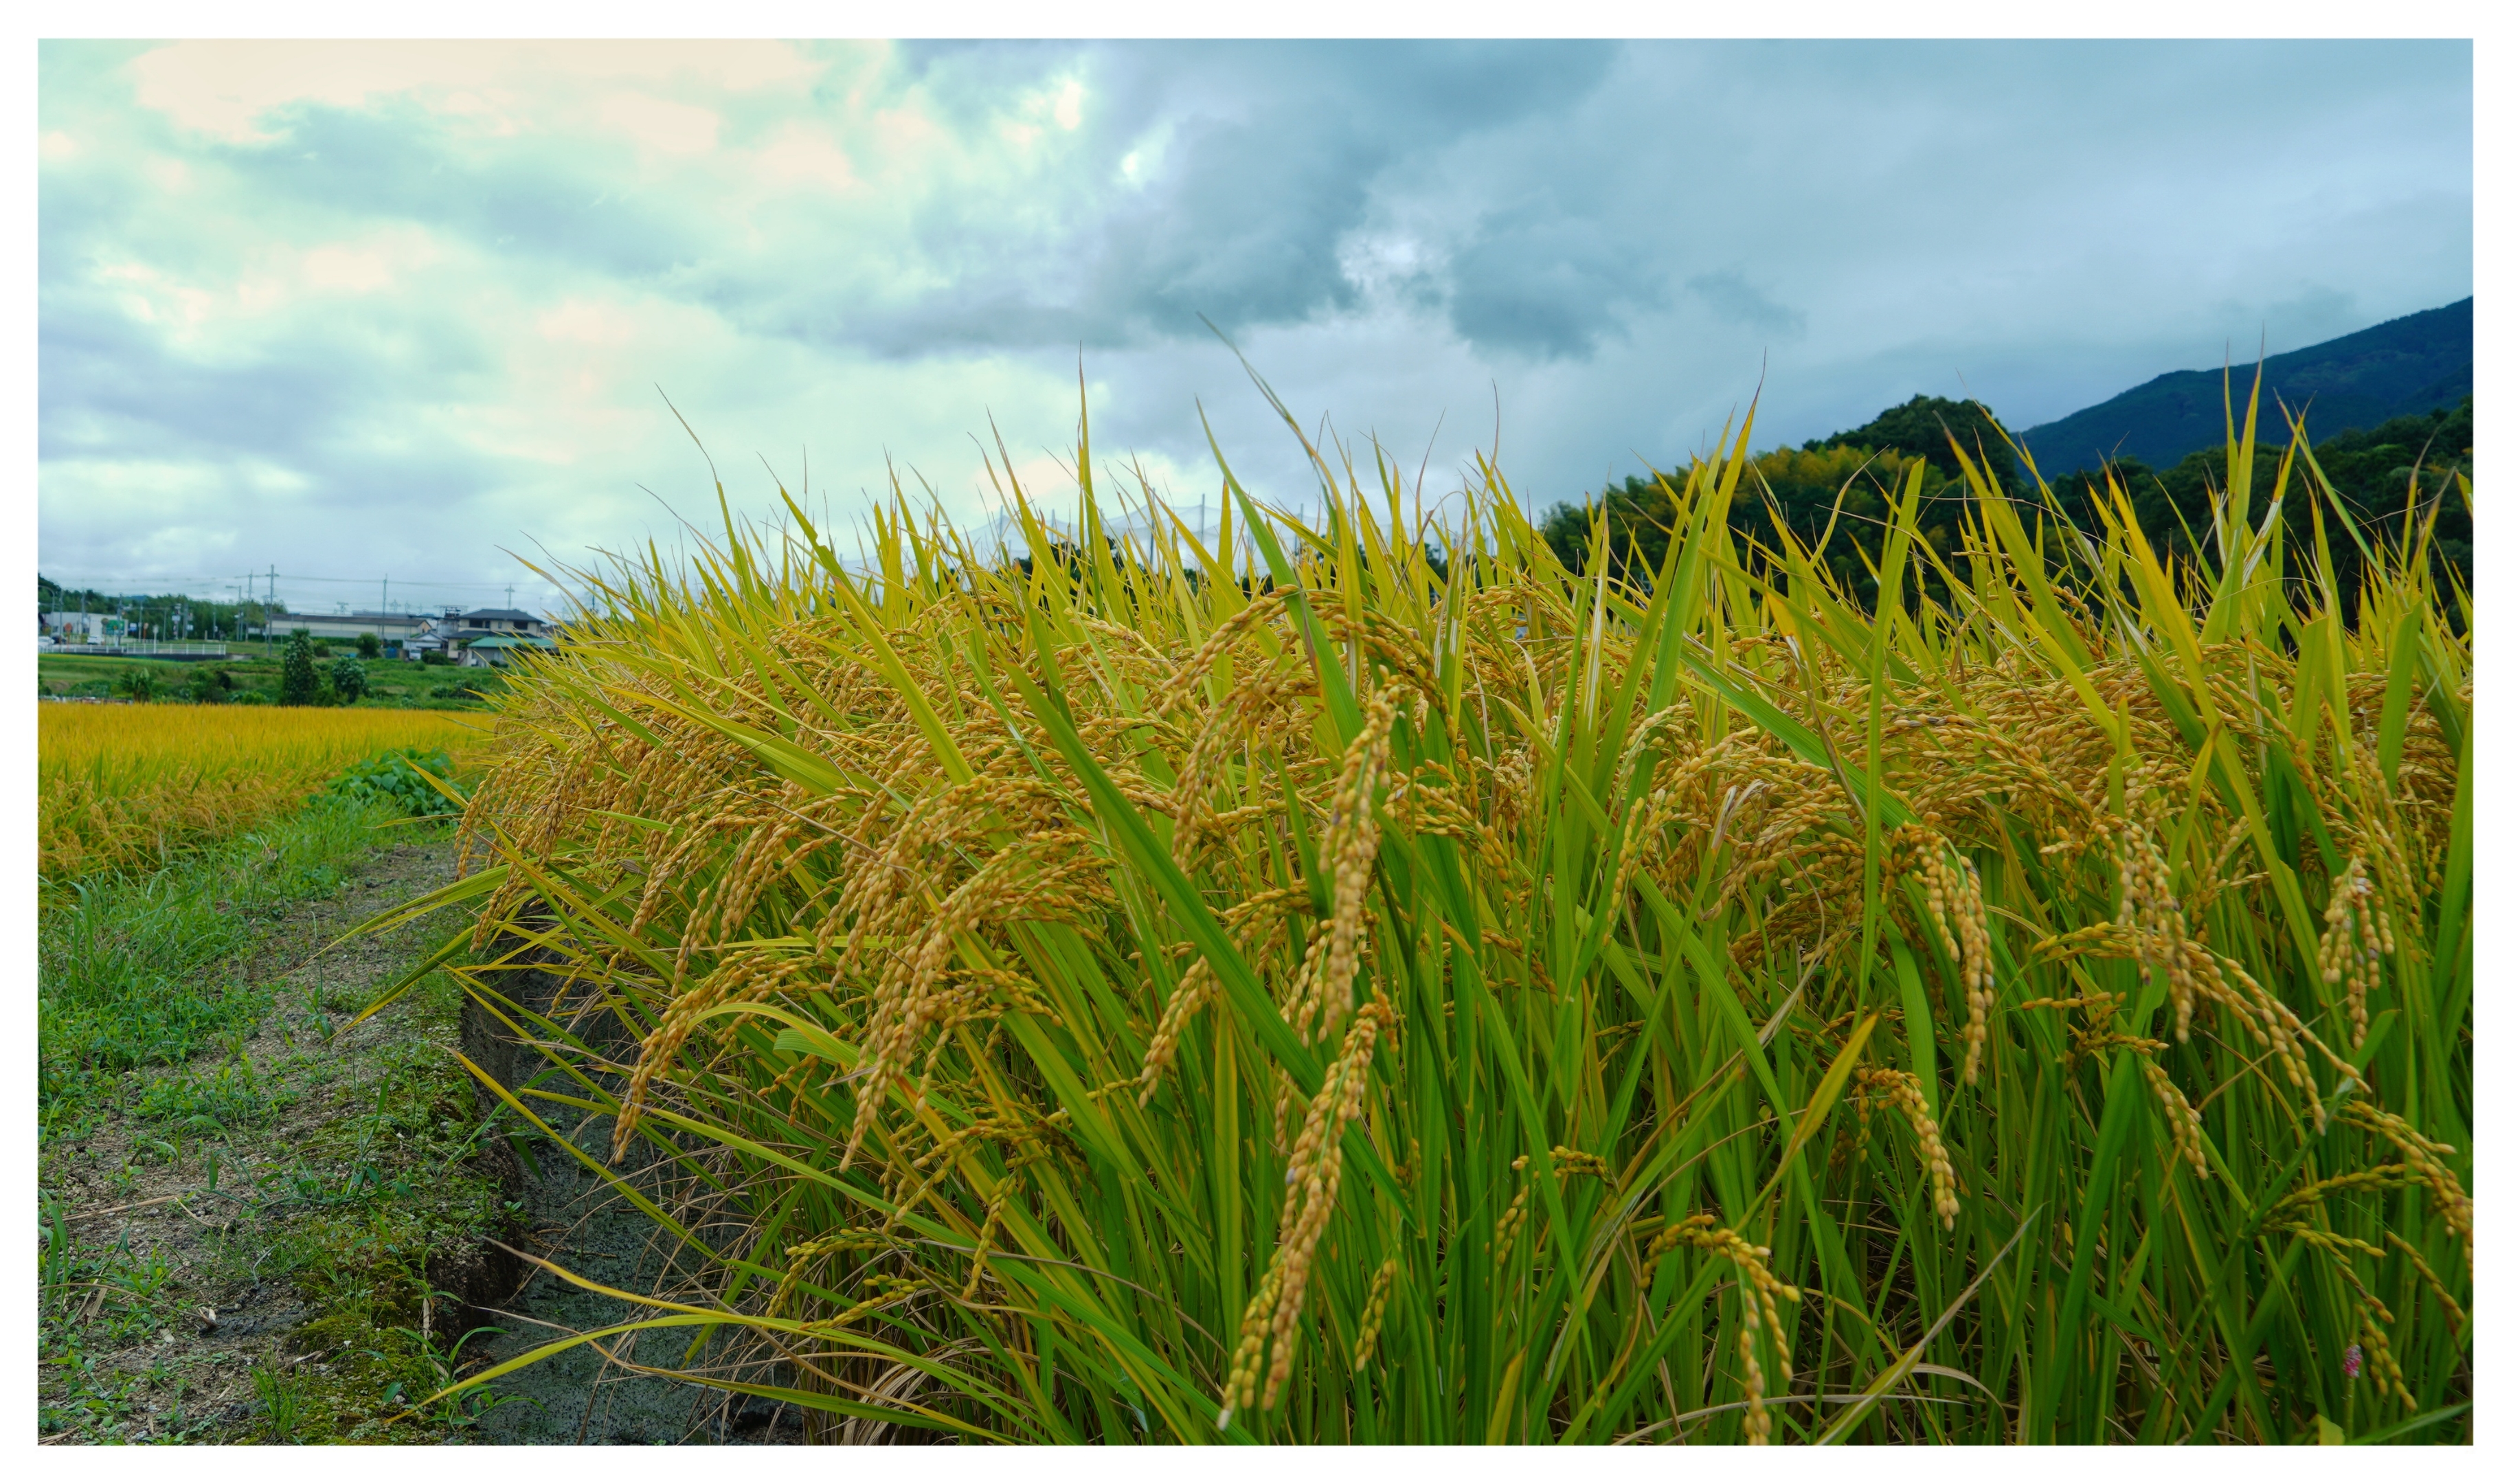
(123, 786)
(1358, 979)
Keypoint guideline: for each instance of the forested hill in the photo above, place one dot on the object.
(1840, 485)
(2410, 366)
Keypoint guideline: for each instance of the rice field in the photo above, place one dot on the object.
(125, 787)
(1358, 979)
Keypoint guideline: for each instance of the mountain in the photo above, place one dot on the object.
(2407, 366)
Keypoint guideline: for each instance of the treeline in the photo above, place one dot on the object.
(1840, 485)
(160, 615)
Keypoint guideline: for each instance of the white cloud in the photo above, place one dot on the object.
(674, 127)
(347, 269)
(586, 323)
(801, 152)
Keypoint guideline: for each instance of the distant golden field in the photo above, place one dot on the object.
(123, 786)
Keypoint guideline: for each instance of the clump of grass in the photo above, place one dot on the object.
(234, 1095)
(416, 783)
(1365, 981)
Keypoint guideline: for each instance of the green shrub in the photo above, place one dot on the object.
(394, 777)
(369, 647)
(348, 679)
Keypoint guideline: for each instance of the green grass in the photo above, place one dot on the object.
(97, 1298)
(129, 972)
(377, 1196)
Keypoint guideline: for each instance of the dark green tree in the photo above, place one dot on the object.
(369, 647)
(1929, 428)
(2372, 469)
(298, 684)
(349, 678)
(1811, 490)
(1638, 522)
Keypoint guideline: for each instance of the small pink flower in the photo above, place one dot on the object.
(2353, 1361)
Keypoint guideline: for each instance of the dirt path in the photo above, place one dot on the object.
(285, 1239)
(210, 1274)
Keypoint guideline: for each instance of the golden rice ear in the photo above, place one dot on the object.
(2182, 1118)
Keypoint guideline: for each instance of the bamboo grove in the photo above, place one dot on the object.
(1358, 980)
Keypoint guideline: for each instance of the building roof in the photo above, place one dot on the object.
(511, 615)
(512, 641)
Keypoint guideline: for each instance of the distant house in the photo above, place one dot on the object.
(490, 637)
(430, 638)
(506, 621)
(495, 649)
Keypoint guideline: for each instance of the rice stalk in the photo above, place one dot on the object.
(1314, 985)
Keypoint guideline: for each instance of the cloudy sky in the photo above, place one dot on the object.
(361, 309)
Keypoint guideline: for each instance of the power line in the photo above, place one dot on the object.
(419, 596)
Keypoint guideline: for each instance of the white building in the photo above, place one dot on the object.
(391, 628)
(76, 628)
